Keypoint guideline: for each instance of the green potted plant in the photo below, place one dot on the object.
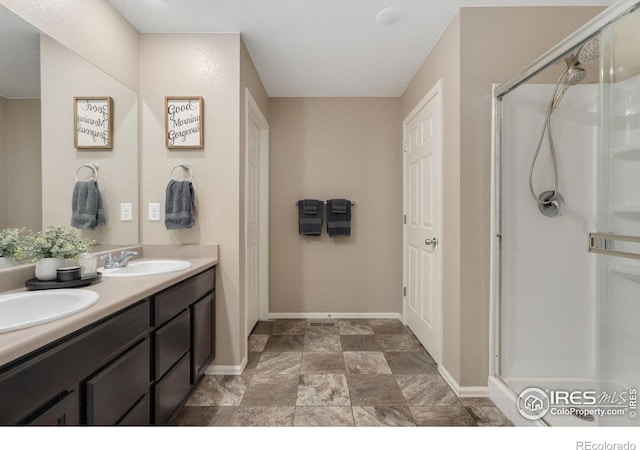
(51, 248)
(9, 243)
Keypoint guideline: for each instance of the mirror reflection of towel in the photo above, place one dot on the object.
(178, 207)
(87, 211)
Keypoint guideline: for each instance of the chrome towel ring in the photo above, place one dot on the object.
(94, 171)
(187, 169)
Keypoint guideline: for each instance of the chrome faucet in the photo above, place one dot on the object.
(111, 262)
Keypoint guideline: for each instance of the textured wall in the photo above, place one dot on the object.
(206, 65)
(336, 148)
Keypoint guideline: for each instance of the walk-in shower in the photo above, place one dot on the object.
(566, 283)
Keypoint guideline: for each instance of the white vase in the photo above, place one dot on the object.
(47, 268)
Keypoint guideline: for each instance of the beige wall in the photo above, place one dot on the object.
(336, 148)
(493, 44)
(23, 164)
(4, 216)
(64, 75)
(92, 28)
(206, 65)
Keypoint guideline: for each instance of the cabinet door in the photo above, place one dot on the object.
(118, 387)
(172, 390)
(171, 342)
(62, 412)
(203, 335)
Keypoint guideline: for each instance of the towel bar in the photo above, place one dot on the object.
(352, 203)
(92, 166)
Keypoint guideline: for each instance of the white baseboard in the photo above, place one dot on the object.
(462, 391)
(341, 315)
(215, 369)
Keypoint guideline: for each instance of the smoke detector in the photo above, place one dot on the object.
(390, 16)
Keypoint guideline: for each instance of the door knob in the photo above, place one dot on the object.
(432, 241)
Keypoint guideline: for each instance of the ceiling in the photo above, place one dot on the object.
(320, 48)
(301, 48)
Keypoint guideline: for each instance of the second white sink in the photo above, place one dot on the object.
(27, 309)
(147, 267)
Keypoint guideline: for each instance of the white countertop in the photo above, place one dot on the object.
(115, 294)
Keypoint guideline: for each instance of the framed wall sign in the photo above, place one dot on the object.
(184, 118)
(93, 122)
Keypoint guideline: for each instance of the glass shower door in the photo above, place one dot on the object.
(619, 221)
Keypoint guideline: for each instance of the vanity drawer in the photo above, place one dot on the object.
(172, 390)
(140, 415)
(119, 386)
(175, 299)
(171, 342)
(63, 412)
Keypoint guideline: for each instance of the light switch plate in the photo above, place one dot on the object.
(154, 212)
(126, 212)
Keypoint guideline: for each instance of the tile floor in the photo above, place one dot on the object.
(371, 372)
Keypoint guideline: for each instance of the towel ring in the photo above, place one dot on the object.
(186, 167)
(92, 166)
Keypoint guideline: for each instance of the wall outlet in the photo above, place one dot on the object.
(126, 212)
(154, 212)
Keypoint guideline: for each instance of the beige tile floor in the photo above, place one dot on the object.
(364, 372)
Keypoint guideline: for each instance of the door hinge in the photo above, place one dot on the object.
(404, 291)
(405, 219)
(404, 147)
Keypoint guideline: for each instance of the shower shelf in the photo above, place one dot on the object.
(629, 272)
(630, 152)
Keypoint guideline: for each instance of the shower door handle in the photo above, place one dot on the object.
(432, 241)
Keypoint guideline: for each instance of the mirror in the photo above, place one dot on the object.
(38, 160)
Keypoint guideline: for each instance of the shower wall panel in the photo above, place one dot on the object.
(549, 292)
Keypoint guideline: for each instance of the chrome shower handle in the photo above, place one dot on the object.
(432, 241)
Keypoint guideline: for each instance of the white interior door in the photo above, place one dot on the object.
(423, 216)
(256, 214)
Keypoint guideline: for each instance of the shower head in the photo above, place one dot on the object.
(590, 51)
(575, 72)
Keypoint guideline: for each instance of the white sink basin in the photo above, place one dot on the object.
(28, 309)
(147, 267)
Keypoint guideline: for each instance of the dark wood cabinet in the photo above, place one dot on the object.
(116, 389)
(203, 337)
(185, 332)
(135, 367)
(63, 411)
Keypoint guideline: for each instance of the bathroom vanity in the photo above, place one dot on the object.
(135, 365)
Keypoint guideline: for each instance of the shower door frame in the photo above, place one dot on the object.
(552, 56)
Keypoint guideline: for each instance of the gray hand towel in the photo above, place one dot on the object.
(339, 217)
(178, 207)
(87, 211)
(310, 217)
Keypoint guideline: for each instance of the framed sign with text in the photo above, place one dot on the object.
(184, 118)
(93, 122)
